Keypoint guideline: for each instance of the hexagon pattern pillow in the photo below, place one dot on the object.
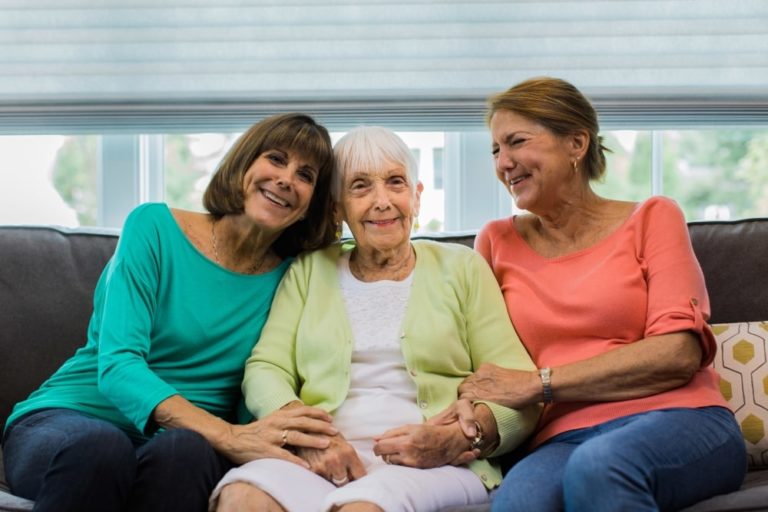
(743, 368)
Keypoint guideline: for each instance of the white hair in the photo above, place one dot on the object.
(368, 148)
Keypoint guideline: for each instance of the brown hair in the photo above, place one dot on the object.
(287, 132)
(559, 107)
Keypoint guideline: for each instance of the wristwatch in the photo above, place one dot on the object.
(546, 384)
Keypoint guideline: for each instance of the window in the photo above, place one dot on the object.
(189, 162)
(717, 174)
(91, 180)
(130, 85)
(712, 173)
(49, 179)
(437, 158)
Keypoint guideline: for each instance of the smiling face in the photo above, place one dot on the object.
(535, 165)
(278, 188)
(379, 207)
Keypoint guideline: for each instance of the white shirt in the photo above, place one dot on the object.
(382, 394)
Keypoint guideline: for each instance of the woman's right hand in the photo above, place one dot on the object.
(302, 427)
(338, 463)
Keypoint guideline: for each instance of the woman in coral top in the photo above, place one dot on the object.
(610, 301)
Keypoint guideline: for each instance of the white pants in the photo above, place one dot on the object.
(391, 487)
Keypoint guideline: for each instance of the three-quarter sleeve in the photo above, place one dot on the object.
(492, 339)
(271, 377)
(677, 295)
(131, 284)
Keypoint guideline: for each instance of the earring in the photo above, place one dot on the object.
(338, 231)
(575, 165)
(416, 224)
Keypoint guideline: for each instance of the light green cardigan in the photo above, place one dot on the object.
(456, 320)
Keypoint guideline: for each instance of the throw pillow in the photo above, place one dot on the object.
(742, 365)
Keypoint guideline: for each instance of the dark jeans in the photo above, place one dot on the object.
(658, 460)
(67, 461)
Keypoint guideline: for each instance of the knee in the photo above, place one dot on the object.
(358, 506)
(522, 491)
(102, 448)
(184, 447)
(594, 467)
(183, 455)
(240, 496)
(590, 460)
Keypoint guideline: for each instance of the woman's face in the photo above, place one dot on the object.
(535, 165)
(278, 188)
(379, 206)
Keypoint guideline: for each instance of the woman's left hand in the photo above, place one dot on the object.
(338, 463)
(425, 446)
(511, 388)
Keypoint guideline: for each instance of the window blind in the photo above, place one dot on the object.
(108, 65)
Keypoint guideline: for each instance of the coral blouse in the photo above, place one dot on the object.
(641, 280)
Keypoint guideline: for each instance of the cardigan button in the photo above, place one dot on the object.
(423, 404)
(695, 301)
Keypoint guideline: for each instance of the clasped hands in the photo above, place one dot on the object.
(443, 439)
(431, 444)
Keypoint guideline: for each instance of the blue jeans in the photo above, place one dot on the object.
(657, 460)
(67, 461)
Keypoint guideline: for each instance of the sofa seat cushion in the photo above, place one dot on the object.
(753, 495)
(10, 503)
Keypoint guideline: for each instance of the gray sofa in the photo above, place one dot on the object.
(47, 276)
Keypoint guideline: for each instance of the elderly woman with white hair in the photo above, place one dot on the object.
(379, 332)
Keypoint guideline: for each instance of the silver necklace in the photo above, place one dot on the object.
(253, 269)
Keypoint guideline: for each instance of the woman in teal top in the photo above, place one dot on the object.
(145, 415)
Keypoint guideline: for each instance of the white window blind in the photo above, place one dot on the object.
(109, 65)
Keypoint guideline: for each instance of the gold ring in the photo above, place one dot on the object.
(284, 438)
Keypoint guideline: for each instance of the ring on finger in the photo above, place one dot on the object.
(339, 481)
(386, 459)
(284, 438)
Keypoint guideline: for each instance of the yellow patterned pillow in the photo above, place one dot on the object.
(743, 368)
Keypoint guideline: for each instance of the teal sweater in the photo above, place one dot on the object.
(166, 321)
(456, 320)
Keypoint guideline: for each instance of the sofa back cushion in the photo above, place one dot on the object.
(47, 279)
(733, 256)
